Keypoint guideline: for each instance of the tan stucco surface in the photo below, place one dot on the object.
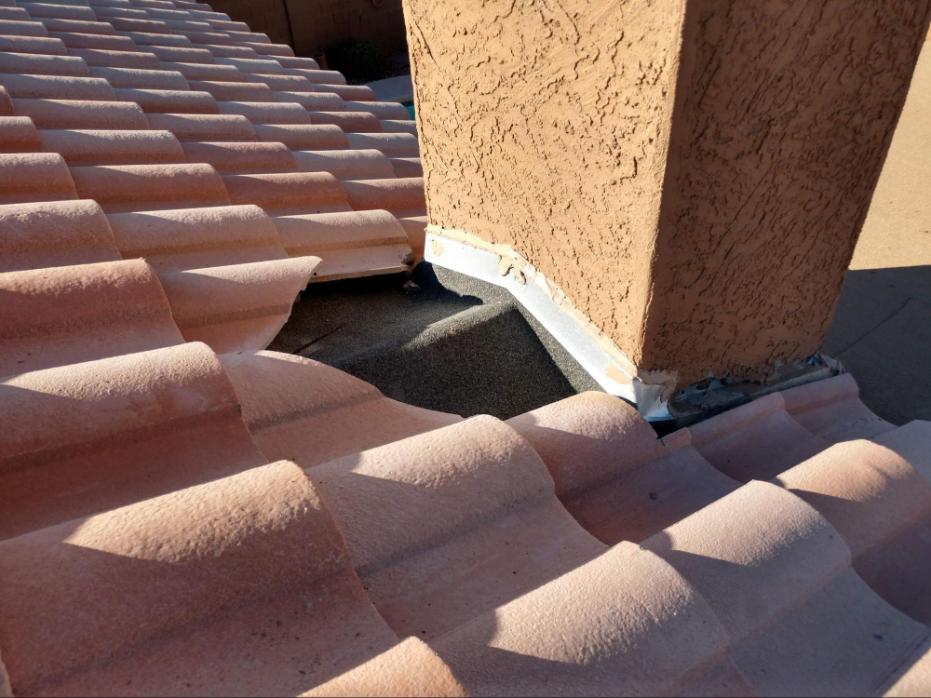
(544, 127)
(692, 174)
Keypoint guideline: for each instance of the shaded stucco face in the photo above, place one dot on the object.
(692, 174)
(544, 127)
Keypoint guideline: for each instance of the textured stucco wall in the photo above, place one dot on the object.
(784, 112)
(693, 174)
(544, 127)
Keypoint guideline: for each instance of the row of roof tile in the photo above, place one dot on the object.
(188, 519)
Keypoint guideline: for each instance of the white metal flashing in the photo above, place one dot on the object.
(601, 358)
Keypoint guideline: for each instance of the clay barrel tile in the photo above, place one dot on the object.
(625, 623)
(314, 101)
(182, 54)
(289, 83)
(197, 237)
(451, 523)
(229, 51)
(346, 164)
(288, 193)
(158, 39)
(416, 229)
(311, 413)
(612, 473)
(356, 92)
(400, 196)
(18, 135)
(407, 167)
(757, 440)
(172, 101)
(349, 244)
(27, 177)
(89, 437)
(22, 27)
(141, 79)
(303, 137)
(248, 157)
(305, 62)
(400, 126)
(58, 25)
(105, 146)
(237, 307)
(382, 110)
(33, 44)
(778, 577)
(268, 112)
(54, 234)
(149, 187)
(117, 59)
(348, 121)
(64, 11)
(62, 315)
(391, 144)
(409, 669)
(79, 39)
(67, 113)
(234, 91)
(186, 594)
(330, 77)
(205, 71)
(832, 409)
(37, 64)
(205, 127)
(57, 87)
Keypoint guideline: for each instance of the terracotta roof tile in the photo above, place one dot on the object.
(79, 39)
(314, 101)
(288, 193)
(778, 577)
(113, 146)
(236, 307)
(63, 315)
(268, 112)
(71, 113)
(474, 493)
(345, 164)
(32, 44)
(28, 177)
(407, 167)
(391, 144)
(401, 196)
(141, 79)
(56, 87)
(117, 59)
(311, 413)
(170, 101)
(53, 234)
(396, 126)
(260, 575)
(234, 91)
(302, 136)
(205, 127)
(18, 134)
(242, 157)
(19, 27)
(150, 423)
(149, 187)
(351, 122)
(197, 237)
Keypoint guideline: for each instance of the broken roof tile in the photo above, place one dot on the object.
(236, 307)
(303, 410)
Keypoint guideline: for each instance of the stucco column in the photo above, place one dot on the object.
(692, 174)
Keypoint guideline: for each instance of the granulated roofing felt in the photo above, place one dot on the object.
(186, 514)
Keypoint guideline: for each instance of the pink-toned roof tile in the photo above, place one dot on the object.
(302, 136)
(401, 196)
(407, 167)
(54, 234)
(311, 413)
(22, 27)
(67, 113)
(32, 44)
(99, 147)
(237, 307)
(314, 101)
(18, 135)
(90, 437)
(399, 126)
(289, 193)
(171, 102)
(197, 237)
(612, 473)
(205, 127)
(755, 441)
(234, 91)
(416, 228)
(149, 187)
(350, 243)
(268, 112)
(135, 78)
(56, 316)
(37, 64)
(450, 524)
(56, 87)
(382, 110)
(117, 59)
(26, 177)
(778, 577)
(242, 157)
(79, 39)
(878, 497)
(345, 164)
(246, 572)
(391, 144)
(349, 121)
